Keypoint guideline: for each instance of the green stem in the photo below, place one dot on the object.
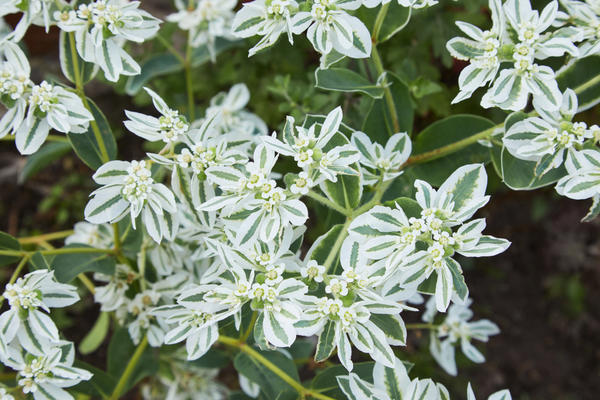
(421, 326)
(387, 92)
(337, 245)
(379, 22)
(51, 252)
(246, 334)
(244, 348)
(451, 148)
(79, 88)
(325, 201)
(129, 369)
(188, 80)
(45, 237)
(170, 48)
(50, 138)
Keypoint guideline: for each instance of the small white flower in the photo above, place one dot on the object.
(337, 287)
(313, 271)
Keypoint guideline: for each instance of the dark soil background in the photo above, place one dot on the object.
(544, 292)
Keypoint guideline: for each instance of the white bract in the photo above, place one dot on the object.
(329, 27)
(206, 20)
(101, 29)
(389, 234)
(169, 127)
(266, 18)
(454, 329)
(583, 178)
(46, 375)
(585, 16)
(392, 383)
(548, 138)
(128, 188)
(314, 152)
(24, 322)
(37, 12)
(382, 163)
(520, 36)
(33, 110)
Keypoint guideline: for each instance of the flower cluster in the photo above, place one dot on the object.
(29, 340)
(328, 24)
(519, 37)
(35, 109)
(102, 27)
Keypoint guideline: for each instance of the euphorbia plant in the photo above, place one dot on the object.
(200, 246)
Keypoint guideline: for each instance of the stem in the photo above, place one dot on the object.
(170, 48)
(451, 148)
(79, 88)
(389, 99)
(246, 334)
(421, 326)
(379, 22)
(325, 201)
(87, 283)
(50, 138)
(244, 348)
(116, 238)
(45, 237)
(188, 79)
(129, 369)
(70, 250)
(337, 245)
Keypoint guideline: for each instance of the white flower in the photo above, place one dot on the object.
(185, 381)
(385, 162)
(24, 321)
(582, 179)
(129, 188)
(586, 18)
(266, 18)
(4, 395)
(302, 184)
(144, 322)
(206, 20)
(546, 139)
(233, 117)
(457, 328)
(36, 12)
(309, 148)
(337, 288)
(112, 296)
(313, 271)
(15, 86)
(169, 127)
(330, 27)
(99, 236)
(45, 375)
(102, 27)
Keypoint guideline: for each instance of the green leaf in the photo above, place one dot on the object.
(345, 80)
(120, 350)
(392, 327)
(96, 335)
(410, 206)
(155, 66)
(38, 261)
(378, 123)
(67, 266)
(520, 174)
(87, 147)
(578, 76)
(100, 386)
(326, 343)
(47, 154)
(8, 242)
(270, 384)
(396, 19)
(326, 383)
(322, 246)
(87, 70)
(347, 191)
(442, 133)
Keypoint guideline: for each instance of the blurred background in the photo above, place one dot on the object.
(544, 292)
